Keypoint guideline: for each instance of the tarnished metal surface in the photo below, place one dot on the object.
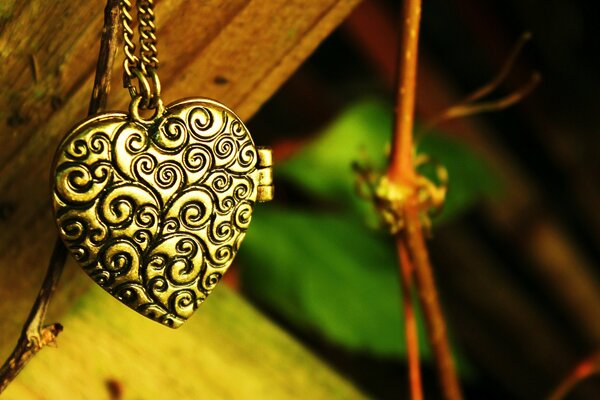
(155, 210)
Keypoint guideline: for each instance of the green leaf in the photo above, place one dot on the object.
(323, 167)
(470, 178)
(327, 273)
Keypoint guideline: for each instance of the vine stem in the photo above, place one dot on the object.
(582, 371)
(410, 323)
(35, 335)
(401, 170)
(410, 242)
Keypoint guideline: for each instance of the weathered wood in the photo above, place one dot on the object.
(228, 352)
(36, 333)
(238, 52)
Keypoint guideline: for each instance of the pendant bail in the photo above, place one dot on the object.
(148, 93)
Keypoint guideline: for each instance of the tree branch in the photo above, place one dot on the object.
(582, 371)
(467, 109)
(401, 176)
(410, 323)
(35, 336)
(436, 325)
(401, 168)
(471, 105)
(401, 172)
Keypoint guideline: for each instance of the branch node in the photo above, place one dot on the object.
(389, 198)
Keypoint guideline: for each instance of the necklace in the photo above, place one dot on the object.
(154, 208)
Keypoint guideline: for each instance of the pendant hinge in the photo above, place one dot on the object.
(266, 190)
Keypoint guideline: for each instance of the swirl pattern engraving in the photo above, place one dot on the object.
(155, 211)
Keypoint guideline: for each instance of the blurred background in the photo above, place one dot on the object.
(515, 249)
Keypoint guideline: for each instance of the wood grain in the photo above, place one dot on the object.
(238, 52)
(229, 351)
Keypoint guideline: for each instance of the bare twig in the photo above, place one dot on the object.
(410, 323)
(106, 57)
(35, 335)
(585, 369)
(470, 105)
(402, 176)
(467, 109)
(502, 73)
(401, 170)
(401, 165)
(434, 316)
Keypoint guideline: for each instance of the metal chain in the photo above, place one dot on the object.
(147, 29)
(142, 67)
(131, 60)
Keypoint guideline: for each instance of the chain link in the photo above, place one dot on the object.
(147, 29)
(142, 67)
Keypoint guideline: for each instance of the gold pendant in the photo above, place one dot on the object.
(155, 210)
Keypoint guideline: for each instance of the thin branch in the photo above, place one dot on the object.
(106, 57)
(35, 335)
(401, 174)
(410, 323)
(585, 369)
(470, 105)
(434, 316)
(502, 73)
(401, 171)
(468, 109)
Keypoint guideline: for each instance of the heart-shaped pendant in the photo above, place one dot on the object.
(155, 210)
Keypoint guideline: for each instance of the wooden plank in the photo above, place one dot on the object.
(236, 51)
(228, 352)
